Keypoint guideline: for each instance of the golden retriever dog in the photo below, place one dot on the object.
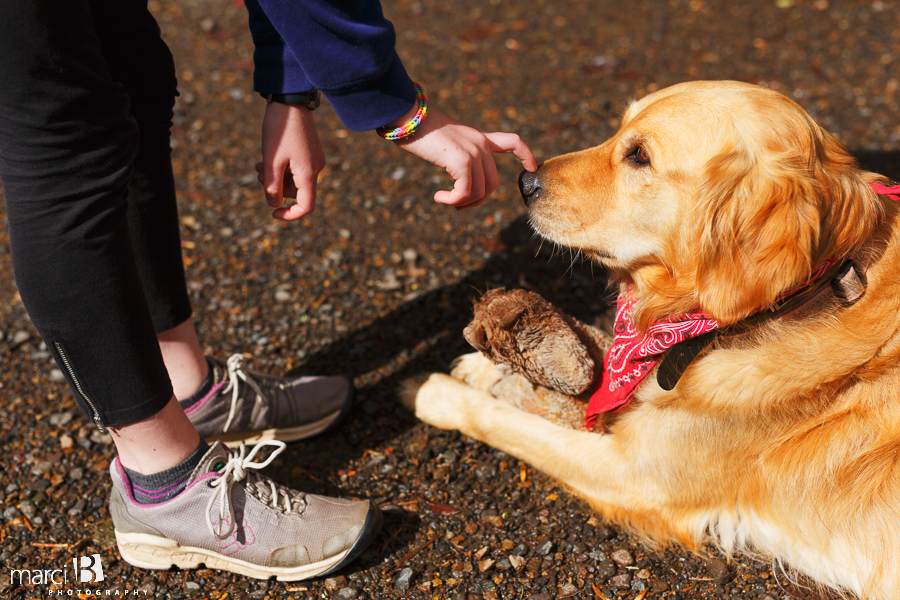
(782, 437)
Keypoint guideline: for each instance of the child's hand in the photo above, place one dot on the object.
(292, 159)
(466, 154)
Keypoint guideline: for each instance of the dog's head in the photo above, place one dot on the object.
(713, 194)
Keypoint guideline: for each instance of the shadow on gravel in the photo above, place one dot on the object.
(425, 335)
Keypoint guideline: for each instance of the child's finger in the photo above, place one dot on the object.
(301, 186)
(491, 178)
(468, 184)
(289, 190)
(462, 189)
(291, 213)
(273, 183)
(510, 142)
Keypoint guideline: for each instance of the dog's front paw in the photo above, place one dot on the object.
(435, 399)
(477, 370)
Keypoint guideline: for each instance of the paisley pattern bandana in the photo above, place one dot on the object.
(634, 354)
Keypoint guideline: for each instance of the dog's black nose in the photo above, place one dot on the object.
(530, 186)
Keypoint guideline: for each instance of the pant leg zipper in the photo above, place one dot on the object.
(78, 387)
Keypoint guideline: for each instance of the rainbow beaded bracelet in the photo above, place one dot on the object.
(409, 128)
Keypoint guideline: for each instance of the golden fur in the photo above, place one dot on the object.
(784, 443)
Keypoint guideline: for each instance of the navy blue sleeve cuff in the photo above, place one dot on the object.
(375, 103)
(276, 71)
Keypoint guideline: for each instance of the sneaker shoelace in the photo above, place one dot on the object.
(237, 470)
(236, 375)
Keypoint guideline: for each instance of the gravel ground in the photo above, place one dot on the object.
(376, 282)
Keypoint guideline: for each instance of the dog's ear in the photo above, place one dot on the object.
(769, 215)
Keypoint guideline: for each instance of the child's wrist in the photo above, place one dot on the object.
(406, 118)
(409, 123)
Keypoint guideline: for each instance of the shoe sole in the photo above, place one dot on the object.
(286, 434)
(149, 551)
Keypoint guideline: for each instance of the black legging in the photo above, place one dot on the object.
(86, 95)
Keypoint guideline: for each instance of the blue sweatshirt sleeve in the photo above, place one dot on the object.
(344, 48)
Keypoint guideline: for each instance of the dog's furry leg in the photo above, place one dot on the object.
(590, 464)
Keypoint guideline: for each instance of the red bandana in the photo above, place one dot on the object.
(634, 354)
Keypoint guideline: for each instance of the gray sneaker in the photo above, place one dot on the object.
(246, 406)
(230, 517)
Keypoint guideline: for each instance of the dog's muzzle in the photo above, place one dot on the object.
(530, 186)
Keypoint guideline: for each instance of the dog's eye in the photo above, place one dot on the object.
(639, 155)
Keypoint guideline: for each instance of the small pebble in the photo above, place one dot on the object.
(401, 582)
(606, 568)
(623, 558)
(620, 582)
(567, 591)
(484, 565)
(39, 485)
(28, 509)
(335, 583)
(545, 548)
(65, 442)
(282, 296)
(347, 593)
(61, 419)
(41, 467)
(11, 513)
(191, 586)
(719, 571)
(603, 532)
(487, 515)
(77, 509)
(76, 473)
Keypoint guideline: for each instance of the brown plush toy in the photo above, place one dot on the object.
(547, 361)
